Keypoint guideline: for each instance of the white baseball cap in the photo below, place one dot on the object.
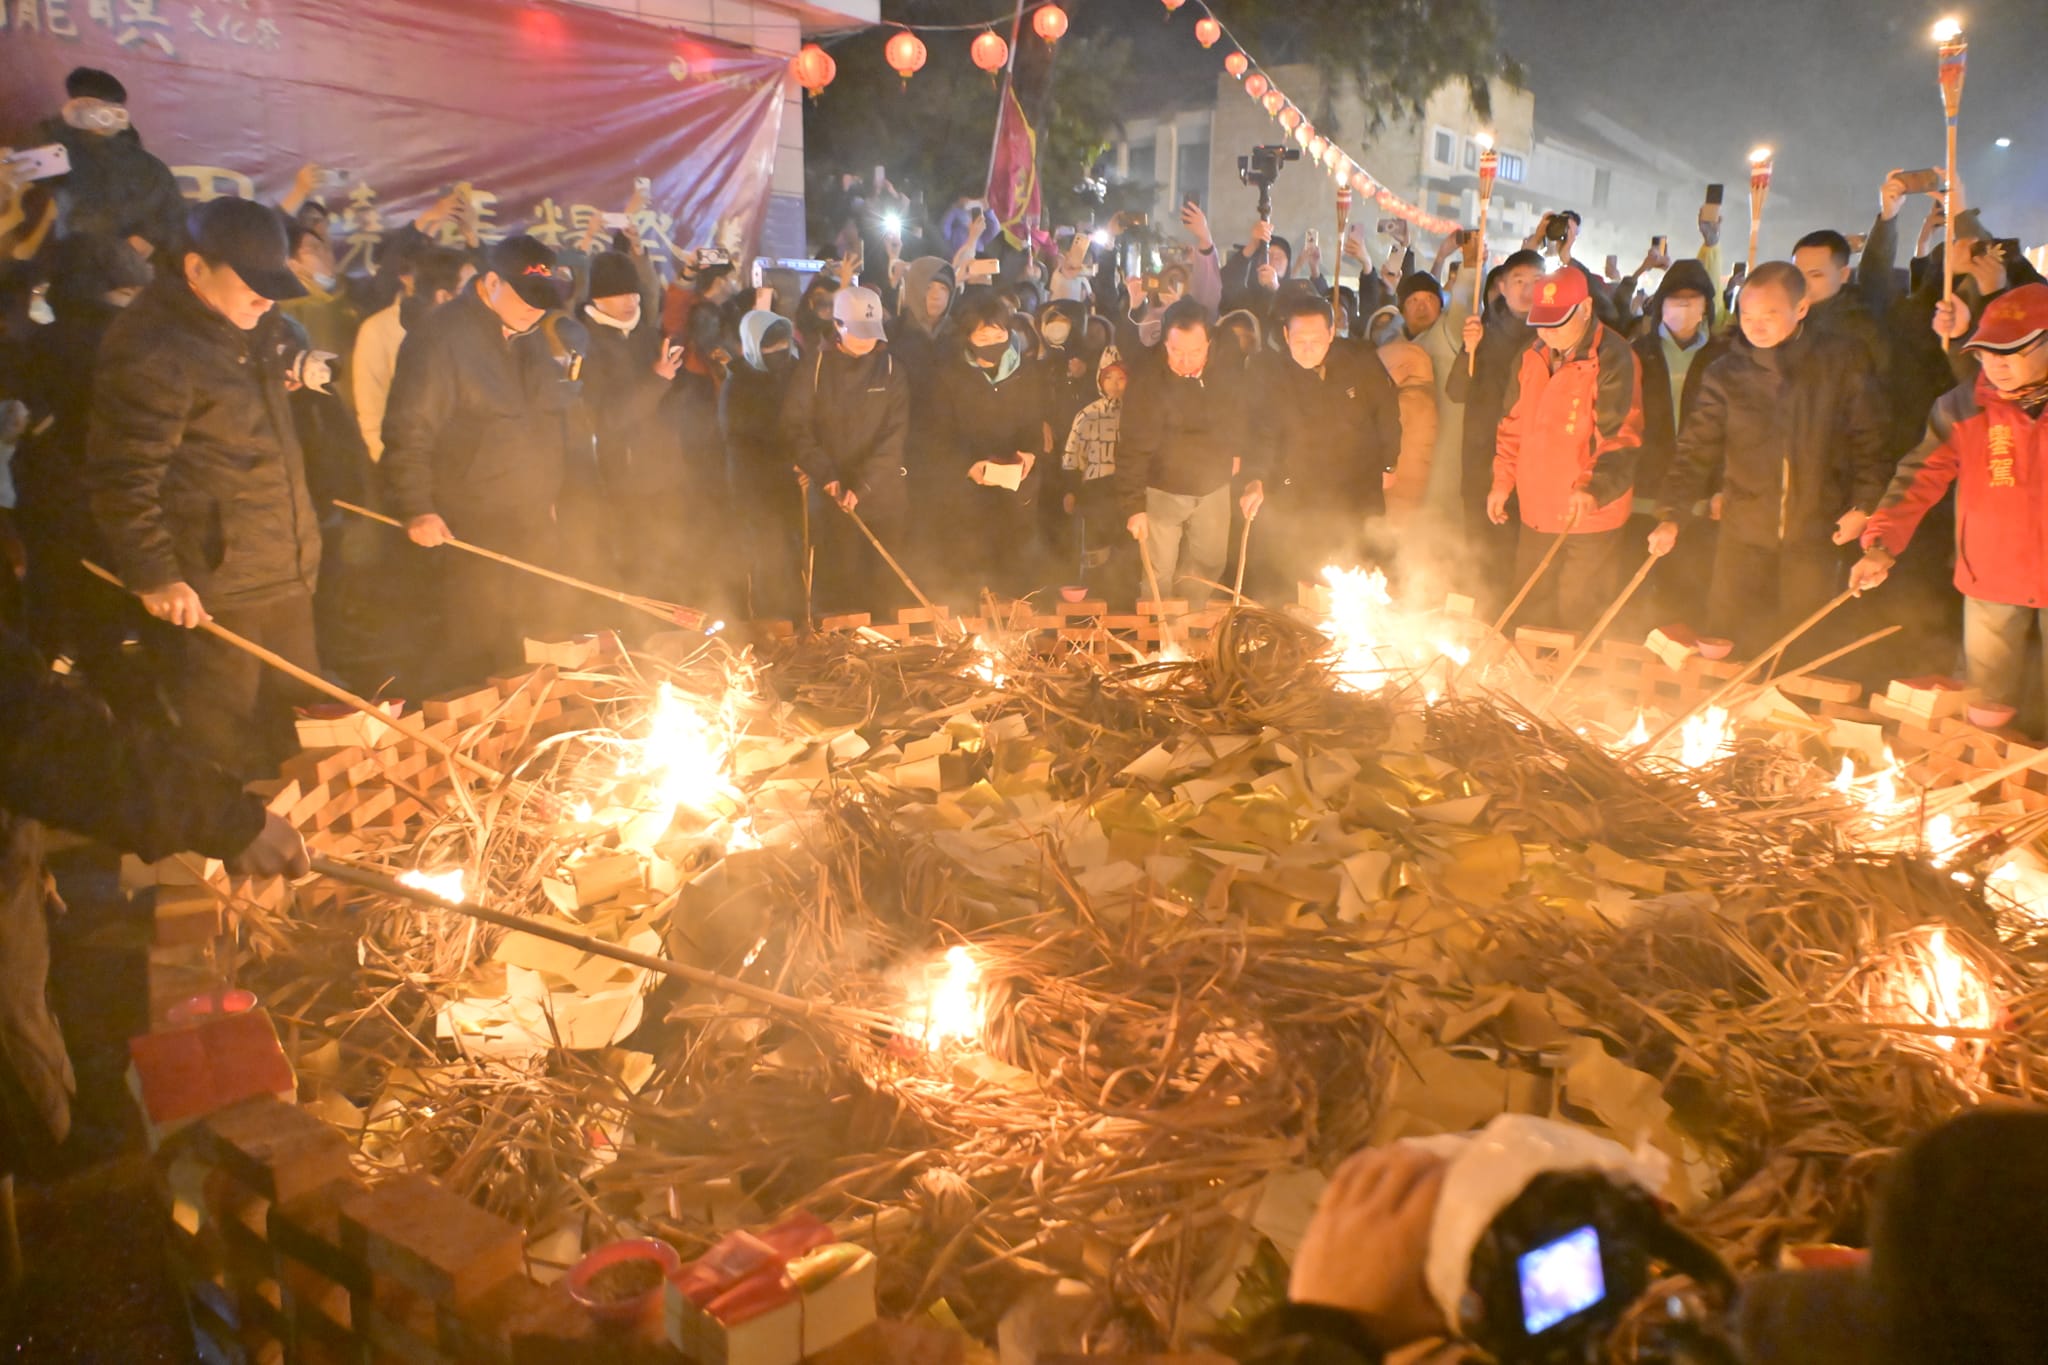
(858, 311)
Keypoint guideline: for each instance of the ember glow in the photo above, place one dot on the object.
(946, 1007)
(1376, 643)
(2021, 881)
(449, 885)
(988, 665)
(1705, 738)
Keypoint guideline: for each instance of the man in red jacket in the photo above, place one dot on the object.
(1991, 441)
(1568, 448)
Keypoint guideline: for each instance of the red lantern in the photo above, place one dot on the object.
(1207, 31)
(1318, 148)
(1274, 102)
(1256, 85)
(905, 54)
(989, 52)
(813, 68)
(1172, 5)
(1290, 118)
(1050, 23)
(1237, 64)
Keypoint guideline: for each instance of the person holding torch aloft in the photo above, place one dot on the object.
(1567, 448)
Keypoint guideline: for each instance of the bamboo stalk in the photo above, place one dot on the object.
(888, 558)
(1244, 545)
(1543, 566)
(410, 729)
(1824, 660)
(1593, 636)
(1152, 582)
(675, 614)
(810, 563)
(371, 879)
(1749, 669)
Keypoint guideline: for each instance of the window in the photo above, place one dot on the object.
(1603, 186)
(1471, 155)
(1443, 147)
(1191, 172)
(1511, 168)
(1139, 163)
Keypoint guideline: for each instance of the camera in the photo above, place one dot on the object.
(1558, 228)
(712, 255)
(1262, 167)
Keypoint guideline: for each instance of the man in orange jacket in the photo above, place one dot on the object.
(1567, 449)
(1991, 441)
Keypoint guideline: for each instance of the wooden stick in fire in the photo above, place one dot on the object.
(888, 558)
(1749, 670)
(370, 879)
(803, 494)
(1759, 191)
(1542, 567)
(1158, 602)
(1593, 636)
(1953, 60)
(411, 729)
(1244, 545)
(1489, 167)
(689, 618)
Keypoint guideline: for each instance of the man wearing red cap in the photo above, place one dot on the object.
(1991, 442)
(1567, 448)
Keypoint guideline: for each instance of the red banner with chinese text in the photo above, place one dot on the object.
(549, 111)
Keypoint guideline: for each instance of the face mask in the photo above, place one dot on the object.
(326, 282)
(1057, 330)
(39, 311)
(624, 324)
(779, 361)
(990, 354)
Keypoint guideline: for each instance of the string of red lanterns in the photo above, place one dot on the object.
(906, 54)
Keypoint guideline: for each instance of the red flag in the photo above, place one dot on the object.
(1013, 176)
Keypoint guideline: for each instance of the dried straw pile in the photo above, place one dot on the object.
(1232, 921)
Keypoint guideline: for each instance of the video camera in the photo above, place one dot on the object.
(1544, 1240)
(1262, 168)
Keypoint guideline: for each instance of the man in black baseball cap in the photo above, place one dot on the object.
(198, 483)
(475, 449)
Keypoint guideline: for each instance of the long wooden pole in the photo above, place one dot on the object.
(1489, 168)
(1152, 582)
(1244, 545)
(1824, 660)
(803, 494)
(370, 879)
(689, 618)
(1749, 670)
(1593, 636)
(410, 729)
(1951, 67)
(888, 558)
(1337, 275)
(1542, 567)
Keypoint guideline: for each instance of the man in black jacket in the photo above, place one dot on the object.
(198, 481)
(846, 419)
(1495, 344)
(1793, 423)
(115, 187)
(473, 451)
(1833, 305)
(987, 443)
(65, 761)
(1338, 433)
(1186, 433)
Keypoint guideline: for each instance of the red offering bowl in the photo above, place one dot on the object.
(1074, 593)
(1991, 715)
(236, 1001)
(589, 1279)
(1712, 648)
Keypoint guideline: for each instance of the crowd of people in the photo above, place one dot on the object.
(193, 391)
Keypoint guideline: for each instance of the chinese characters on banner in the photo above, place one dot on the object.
(547, 112)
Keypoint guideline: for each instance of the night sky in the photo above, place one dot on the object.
(1843, 89)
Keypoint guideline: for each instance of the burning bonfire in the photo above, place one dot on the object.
(1060, 971)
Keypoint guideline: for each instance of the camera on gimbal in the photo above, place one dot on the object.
(1262, 167)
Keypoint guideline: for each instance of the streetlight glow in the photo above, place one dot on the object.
(2003, 142)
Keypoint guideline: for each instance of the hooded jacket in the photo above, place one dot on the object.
(1574, 422)
(983, 414)
(473, 426)
(1062, 391)
(913, 335)
(750, 411)
(626, 402)
(194, 465)
(1089, 454)
(1660, 422)
(1996, 456)
(1798, 433)
(846, 418)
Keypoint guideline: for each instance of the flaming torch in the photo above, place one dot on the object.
(1953, 59)
(1489, 167)
(1343, 226)
(1759, 190)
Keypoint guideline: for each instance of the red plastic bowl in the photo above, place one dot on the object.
(1992, 715)
(1711, 648)
(236, 1001)
(616, 1253)
(1075, 593)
